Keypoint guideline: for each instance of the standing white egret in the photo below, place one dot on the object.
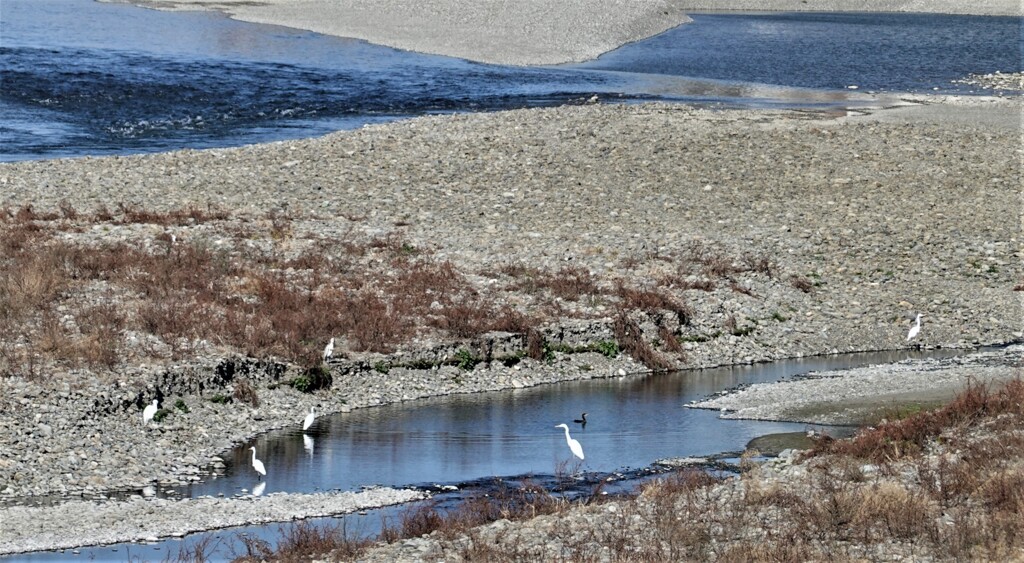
(309, 418)
(577, 449)
(914, 329)
(329, 350)
(257, 464)
(149, 412)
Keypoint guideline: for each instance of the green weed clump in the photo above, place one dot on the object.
(466, 360)
(312, 379)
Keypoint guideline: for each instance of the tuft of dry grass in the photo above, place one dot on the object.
(890, 440)
(802, 283)
(957, 495)
(246, 393)
(631, 340)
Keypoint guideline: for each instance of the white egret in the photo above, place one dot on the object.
(329, 350)
(577, 449)
(914, 329)
(257, 464)
(149, 412)
(582, 419)
(309, 418)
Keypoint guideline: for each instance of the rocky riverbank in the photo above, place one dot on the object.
(783, 233)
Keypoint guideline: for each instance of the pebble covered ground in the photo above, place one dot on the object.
(852, 396)
(866, 223)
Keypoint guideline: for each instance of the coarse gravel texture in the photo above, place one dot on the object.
(999, 81)
(83, 523)
(877, 220)
(852, 396)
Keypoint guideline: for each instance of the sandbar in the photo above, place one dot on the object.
(527, 32)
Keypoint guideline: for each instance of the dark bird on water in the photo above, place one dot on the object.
(582, 419)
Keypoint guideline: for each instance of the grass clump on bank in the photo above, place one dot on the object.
(942, 485)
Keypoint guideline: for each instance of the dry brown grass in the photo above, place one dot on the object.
(68, 301)
(955, 491)
(891, 440)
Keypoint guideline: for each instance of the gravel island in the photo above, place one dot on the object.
(528, 32)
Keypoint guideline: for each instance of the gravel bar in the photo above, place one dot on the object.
(528, 32)
(851, 396)
(525, 32)
(84, 523)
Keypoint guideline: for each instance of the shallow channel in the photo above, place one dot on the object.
(465, 441)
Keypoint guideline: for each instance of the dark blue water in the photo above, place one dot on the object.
(87, 78)
(904, 52)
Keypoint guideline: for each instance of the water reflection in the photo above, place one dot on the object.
(308, 443)
(631, 422)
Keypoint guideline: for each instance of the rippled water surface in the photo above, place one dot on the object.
(88, 78)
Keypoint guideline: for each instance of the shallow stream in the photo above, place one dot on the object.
(468, 441)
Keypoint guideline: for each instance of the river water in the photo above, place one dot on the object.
(466, 441)
(86, 78)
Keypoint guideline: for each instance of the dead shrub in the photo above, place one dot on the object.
(464, 320)
(67, 210)
(535, 344)
(894, 439)
(101, 327)
(890, 510)
(802, 283)
(246, 393)
(376, 327)
(789, 549)
(631, 340)
(676, 483)
(653, 302)
(669, 340)
(571, 283)
(1004, 492)
(103, 214)
(508, 319)
(759, 264)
